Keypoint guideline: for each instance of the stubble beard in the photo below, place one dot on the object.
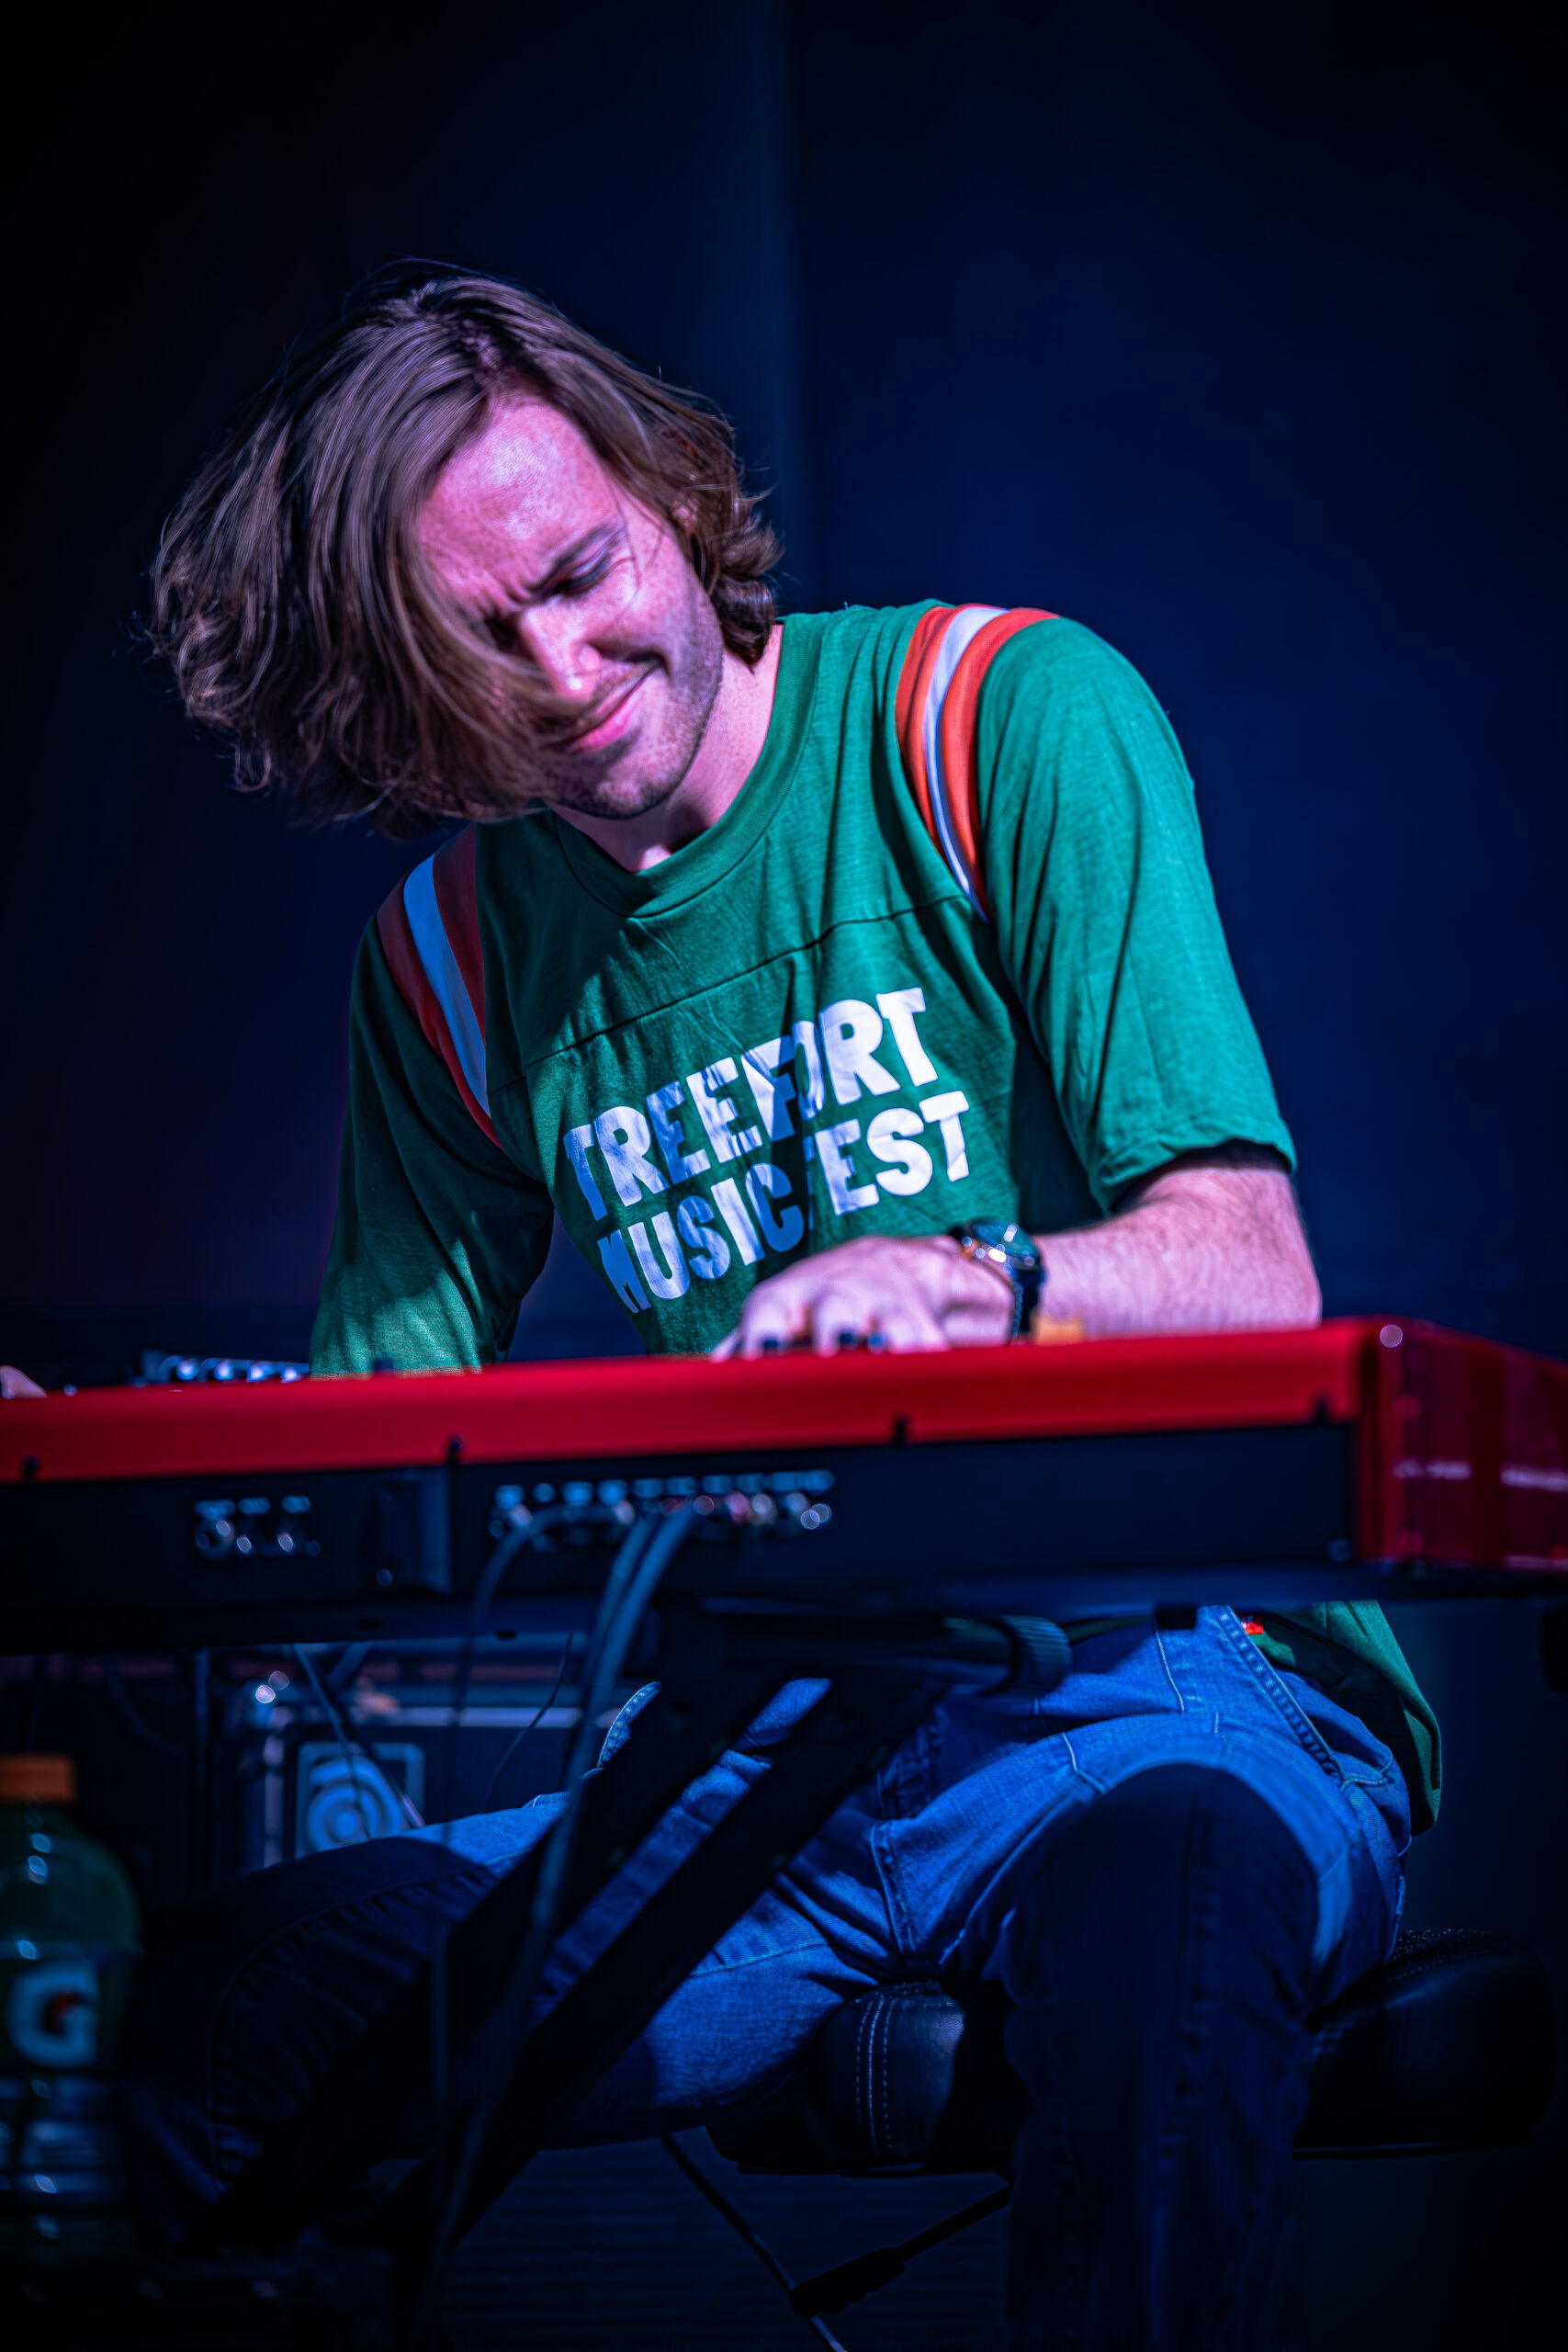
(631, 778)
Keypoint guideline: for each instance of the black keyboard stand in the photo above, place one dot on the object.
(713, 1682)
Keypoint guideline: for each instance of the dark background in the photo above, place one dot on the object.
(1234, 333)
(1226, 331)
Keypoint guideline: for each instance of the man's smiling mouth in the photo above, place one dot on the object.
(610, 720)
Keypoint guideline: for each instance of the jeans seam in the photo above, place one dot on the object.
(1194, 2028)
(1234, 2279)
(1081, 1770)
(1175, 1690)
(1195, 2036)
(1278, 1692)
(707, 1966)
(901, 1925)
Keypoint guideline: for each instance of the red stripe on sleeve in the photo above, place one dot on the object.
(960, 758)
(413, 987)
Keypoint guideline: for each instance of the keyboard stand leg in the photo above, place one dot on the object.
(852, 1729)
(349, 2122)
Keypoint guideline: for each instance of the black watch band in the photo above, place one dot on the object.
(1012, 1250)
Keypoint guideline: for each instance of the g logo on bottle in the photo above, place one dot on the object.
(52, 2013)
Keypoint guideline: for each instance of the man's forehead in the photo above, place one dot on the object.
(518, 495)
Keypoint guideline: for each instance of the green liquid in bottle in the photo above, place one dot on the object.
(68, 1933)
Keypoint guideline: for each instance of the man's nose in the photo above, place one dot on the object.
(554, 641)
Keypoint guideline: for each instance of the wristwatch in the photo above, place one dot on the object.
(1008, 1247)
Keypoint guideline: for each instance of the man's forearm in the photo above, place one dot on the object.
(1203, 1248)
(1212, 1243)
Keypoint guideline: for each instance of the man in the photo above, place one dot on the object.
(850, 976)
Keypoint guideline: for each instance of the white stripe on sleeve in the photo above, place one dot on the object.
(961, 631)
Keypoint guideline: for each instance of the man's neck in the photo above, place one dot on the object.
(731, 746)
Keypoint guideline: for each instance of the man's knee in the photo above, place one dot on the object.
(1176, 1859)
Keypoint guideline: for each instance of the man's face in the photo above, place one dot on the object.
(527, 535)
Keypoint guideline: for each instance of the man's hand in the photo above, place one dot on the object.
(17, 1383)
(1213, 1242)
(906, 1295)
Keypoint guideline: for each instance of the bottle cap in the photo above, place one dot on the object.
(37, 1780)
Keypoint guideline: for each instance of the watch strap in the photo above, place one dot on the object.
(1023, 1266)
(1030, 1282)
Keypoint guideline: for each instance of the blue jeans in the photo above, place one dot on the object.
(1006, 1841)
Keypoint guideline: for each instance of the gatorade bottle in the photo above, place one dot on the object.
(68, 1935)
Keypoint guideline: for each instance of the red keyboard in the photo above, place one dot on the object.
(1364, 1442)
(1463, 1444)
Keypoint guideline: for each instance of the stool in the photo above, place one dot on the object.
(1448, 2045)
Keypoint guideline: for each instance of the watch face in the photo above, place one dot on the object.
(996, 1233)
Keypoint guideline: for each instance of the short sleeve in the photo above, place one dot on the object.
(439, 1235)
(1105, 913)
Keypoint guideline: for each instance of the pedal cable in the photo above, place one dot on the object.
(635, 1575)
(752, 2237)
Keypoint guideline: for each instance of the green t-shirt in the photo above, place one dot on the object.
(795, 1029)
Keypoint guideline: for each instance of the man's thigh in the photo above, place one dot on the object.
(1137, 1701)
(247, 1997)
(732, 2033)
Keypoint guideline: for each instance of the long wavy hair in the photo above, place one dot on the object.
(289, 593)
